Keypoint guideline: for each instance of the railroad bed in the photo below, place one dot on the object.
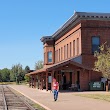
(1, 100)
(10, 100)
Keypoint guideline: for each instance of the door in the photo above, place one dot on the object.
(70, 77)
(64, 81)
(78, 79)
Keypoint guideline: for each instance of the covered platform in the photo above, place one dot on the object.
(67, 73)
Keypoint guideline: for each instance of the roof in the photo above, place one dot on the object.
(85, 15)
(65, 62)
(45, 38)
(78, 16)
(60, 64)
(37, 71)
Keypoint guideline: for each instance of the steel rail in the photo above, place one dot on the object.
(4, 99)
(24, 101)
(27, 104)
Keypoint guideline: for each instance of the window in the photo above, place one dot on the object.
(44, 58)
(67, 50)
(77, 46)
(70, 49)
(73, 47)
(95, 43)
(49, 57)
(55, 56)
(64, 52)
(59, 54)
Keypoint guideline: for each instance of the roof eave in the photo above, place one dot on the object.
(66, 24)
(46, 38)
(81, 16)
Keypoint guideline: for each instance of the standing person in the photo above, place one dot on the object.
(55, 89)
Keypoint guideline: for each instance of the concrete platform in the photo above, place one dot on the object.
(66, 101)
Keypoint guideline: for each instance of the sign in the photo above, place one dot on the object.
(103, 80)
(96, 85)
(66, 71)
(49, 79)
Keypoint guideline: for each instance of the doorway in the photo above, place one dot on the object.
(64, 81)
(78, 79)
(70, 77)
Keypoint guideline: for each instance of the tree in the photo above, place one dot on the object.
(26, 78)
(0, 76)
(39, 65)
(103, 61)
(18, 72)
(27, 69)
(12, 76)
(5, 75)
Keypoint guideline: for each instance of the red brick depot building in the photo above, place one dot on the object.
(68, 53)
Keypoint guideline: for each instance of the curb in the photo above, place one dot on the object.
(33, 100)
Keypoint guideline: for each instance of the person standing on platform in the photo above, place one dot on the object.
(55, 89)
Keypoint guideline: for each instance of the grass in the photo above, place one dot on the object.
(105, 96)
(38, 107)
(21, 83)
(33, 104)
(7, 83)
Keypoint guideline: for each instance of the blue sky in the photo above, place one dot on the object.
(24, 22)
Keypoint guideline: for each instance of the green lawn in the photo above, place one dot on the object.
(7, 83)
(22, 83)
(105, 96)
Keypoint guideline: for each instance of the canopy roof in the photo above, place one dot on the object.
(57, 65)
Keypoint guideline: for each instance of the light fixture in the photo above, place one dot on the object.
(67, 66)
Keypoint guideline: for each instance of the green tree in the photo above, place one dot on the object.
(27, 69)
(0, 76)
(39, 65)
(5, 75)
(26, 78)
(18, 72)
(12, 76)
(102, 64)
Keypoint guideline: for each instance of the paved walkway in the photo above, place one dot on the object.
(66, 101)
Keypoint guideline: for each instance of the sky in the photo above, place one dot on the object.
(24, 22)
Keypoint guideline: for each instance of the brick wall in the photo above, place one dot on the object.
(49, 46)
(84, 80)
(96, 76)
(88, 76)
(67, 41)
(91, 28)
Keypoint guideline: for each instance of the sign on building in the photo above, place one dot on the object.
(49, 79)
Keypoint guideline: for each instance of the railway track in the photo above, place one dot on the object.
(9, 100)
(1, 99)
